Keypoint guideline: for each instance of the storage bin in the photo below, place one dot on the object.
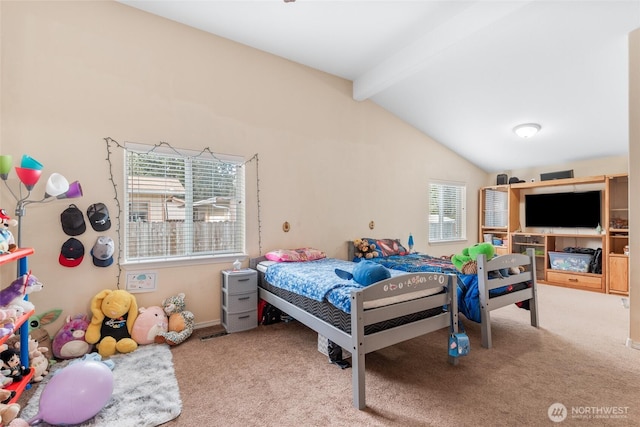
(569, 261)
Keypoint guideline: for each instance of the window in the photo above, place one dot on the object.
(495, 208)
(182, 204)
(447, 212)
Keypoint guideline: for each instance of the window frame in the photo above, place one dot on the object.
(460, 225)
(191, 254)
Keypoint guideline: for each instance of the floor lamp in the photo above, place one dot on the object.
(57, 187)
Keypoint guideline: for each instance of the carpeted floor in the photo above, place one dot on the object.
(145, 392)
(274, 376)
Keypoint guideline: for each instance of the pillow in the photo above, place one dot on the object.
(295, 255)
(368, 272)
(388, 247)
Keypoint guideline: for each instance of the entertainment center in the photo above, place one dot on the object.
(574, 214)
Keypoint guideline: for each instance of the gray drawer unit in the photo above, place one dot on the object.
(239, 300)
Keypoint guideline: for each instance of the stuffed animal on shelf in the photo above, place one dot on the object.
(11, 361)
(13, 295)
(181, 321)
(37, 360)
(364, 250)
(8, 411)
(8, 318)
(69, 342)
(114, 313)
(466, 263)
(7, 242)
(151, 322)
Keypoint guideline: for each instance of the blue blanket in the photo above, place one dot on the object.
(317, 280)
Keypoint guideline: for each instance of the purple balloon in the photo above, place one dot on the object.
(75, 394)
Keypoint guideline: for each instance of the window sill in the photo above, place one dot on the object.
(182, 262)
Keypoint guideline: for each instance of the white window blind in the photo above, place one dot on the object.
(495, 204)
(182, 204)
(447, 212)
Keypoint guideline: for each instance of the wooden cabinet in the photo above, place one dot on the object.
(617, 222)
(618, 274)
(502, 207)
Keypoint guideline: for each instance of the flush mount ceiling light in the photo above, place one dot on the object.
(526, 130)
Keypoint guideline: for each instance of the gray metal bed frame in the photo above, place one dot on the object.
(485, 284)
(360, 344)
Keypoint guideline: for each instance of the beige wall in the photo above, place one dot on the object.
(591, 167)
(74, 73)
(634, 183)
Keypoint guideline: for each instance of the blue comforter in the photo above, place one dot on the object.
(317, 280)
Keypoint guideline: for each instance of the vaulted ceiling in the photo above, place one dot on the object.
(463, 72)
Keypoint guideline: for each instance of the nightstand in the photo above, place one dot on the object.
(239, 310)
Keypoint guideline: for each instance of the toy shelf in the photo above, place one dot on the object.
(21, 324)
(16, 255)
(20, 386)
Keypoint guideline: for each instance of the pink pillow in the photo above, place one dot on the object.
(295, 255)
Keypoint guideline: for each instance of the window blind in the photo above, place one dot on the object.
(447, 212)
(182, 204)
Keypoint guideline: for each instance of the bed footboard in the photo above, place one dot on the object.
(488, 282)
(371, 305)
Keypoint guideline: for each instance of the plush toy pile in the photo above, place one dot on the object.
(466, 261)
(364, 250)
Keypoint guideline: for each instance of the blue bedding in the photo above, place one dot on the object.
(468, 293)
(317, 280)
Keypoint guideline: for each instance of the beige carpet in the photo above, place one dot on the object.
(274, 375)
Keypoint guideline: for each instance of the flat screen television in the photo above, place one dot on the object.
(563, 209)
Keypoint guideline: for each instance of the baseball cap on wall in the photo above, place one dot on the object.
(102, 252)
(98, 216)
(71, 253)
(72, 221)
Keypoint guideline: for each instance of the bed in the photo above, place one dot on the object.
(478, 294)
(359, 319)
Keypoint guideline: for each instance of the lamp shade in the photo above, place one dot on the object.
(29, 177)
(29, 162)
(74, 191)
(56, 185)
(6, 161)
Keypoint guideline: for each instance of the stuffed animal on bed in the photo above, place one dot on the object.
(114, 313)
(180, 321)
(365, 273)
(364, 250)
(465, 262)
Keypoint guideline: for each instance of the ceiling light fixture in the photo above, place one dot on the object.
(526, 130)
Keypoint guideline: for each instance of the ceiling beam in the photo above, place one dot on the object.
(419, 54)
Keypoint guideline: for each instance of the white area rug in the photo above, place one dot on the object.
(145, 392)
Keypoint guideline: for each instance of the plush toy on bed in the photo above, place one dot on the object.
(465, 262)
(180, 321)
(364, 250)
(114, 313)
(365, 273)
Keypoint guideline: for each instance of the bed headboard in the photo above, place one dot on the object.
(253, 262)
(351, 250)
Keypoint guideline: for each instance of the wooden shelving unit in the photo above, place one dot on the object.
(500, 208)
